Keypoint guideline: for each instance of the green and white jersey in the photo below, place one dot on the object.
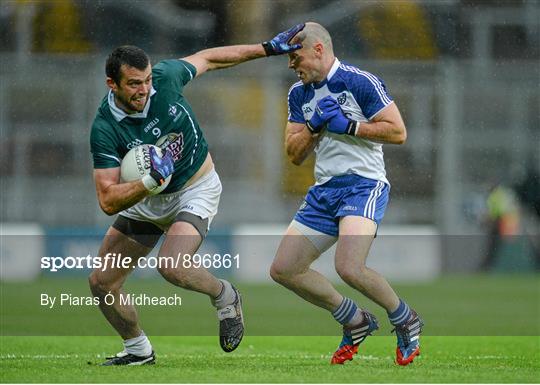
(167, 121)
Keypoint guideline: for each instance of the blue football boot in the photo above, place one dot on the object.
(408, 339)
(353, 336)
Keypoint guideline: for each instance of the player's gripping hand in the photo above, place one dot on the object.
(340, 124)
(326, 109)
(282, 42)
(160, 169)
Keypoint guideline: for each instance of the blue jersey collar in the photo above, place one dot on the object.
(331, 73)
(120, 114)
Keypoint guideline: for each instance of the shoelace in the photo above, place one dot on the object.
(403, 335)
(409, 331)
(362, 331)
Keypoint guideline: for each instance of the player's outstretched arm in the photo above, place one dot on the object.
(299, 142)
(228, 56)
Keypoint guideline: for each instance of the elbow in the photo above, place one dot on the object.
(108, 209)
(402, 137)
(294, 158)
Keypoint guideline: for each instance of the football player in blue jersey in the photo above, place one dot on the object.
(344, 115)
(145, 105)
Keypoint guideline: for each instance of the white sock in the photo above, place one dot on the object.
(226, 297)
(138, 346)
(356, 318)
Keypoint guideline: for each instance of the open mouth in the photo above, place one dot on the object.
(139, 101)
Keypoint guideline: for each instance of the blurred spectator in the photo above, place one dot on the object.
(57, 28)
(503, 218)
(398, 30)
(529, 197)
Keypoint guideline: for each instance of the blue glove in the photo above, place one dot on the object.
(340, 124)
(160, 168)
(281, 43)
(326, 109)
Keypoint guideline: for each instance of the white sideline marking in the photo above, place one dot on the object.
(38, 356)
(260, 355)
(55, 356)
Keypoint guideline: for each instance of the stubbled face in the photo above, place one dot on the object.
(306, 63)
(133, 91)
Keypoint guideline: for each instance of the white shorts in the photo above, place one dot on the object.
(201, 199)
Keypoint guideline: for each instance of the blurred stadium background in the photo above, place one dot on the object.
(465, 74)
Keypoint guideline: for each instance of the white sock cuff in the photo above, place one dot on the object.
(226, 297)
(138, 346)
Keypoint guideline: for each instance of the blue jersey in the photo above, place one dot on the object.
(361, 95)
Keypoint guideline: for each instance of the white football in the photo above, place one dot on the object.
(136, 164)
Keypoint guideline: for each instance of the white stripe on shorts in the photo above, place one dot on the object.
(371, 204)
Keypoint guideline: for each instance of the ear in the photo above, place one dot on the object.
(112, 84)
(319, 49)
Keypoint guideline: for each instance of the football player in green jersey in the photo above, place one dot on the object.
(145, 105)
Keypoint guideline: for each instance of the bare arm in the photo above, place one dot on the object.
(299, 142)
(223, 57)
(114, 196)
(385, 127)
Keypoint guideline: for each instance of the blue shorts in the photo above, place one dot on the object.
(343, 196)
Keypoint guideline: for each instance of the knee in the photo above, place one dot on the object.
(99, 286)
(351, 273)
(280, 274)
(176, 277)
(275, 273)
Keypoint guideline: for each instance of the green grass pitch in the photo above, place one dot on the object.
(272, 360)
(479, 329)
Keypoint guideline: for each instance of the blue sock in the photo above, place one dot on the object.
(345, 311)
(401, 314)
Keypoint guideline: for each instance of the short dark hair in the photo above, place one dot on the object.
(127, 54)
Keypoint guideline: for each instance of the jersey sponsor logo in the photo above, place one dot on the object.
(134, 143)
(350, 208)
(151, 125)
(341, 99)
(174, 143)
(303, 206)
(307, 109)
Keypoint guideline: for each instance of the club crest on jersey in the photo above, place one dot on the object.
(174, 112)
(174, 143)
(134, 143)
(341, 99)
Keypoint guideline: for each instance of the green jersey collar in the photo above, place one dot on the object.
(120, 114)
